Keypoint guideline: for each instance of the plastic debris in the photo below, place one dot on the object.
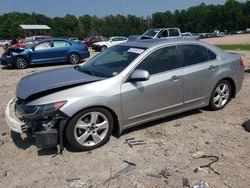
(201, 184)
(132, 142)
(198, 154)
(129, 168)
(185, 182)
(211, 157)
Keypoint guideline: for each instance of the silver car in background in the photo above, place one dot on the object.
(124, 86)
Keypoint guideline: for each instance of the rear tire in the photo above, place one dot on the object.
(221, 95)
(89, 129)
(74, 58)
(20, 63)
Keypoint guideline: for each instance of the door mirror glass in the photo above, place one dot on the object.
(139, 75)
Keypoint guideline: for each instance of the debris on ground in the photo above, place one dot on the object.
(165, 174)
(185, 182)
(129, 168)
(76, 183)
(132, 142)
(1, 142)
(210, 157)
(72, 179)
(246, 125)
(198, 154)
(201, 184)
(4, 133)
(154, 175)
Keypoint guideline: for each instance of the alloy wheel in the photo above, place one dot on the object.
(74, 58)
(21, 63)
(221, 95)
(91, 128)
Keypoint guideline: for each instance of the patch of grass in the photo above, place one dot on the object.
(235, 47)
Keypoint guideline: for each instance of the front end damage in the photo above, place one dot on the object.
(45, 122)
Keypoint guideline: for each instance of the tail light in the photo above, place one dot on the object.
(242, 63)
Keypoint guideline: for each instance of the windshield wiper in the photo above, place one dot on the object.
(84, 69)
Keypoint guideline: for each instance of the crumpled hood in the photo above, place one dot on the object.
(52, 79)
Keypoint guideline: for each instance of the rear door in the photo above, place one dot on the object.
(60, 50)
(200, 69)
(161, 94)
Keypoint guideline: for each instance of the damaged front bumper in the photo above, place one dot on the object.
(11, 119)
(6, 61)
(47, 130)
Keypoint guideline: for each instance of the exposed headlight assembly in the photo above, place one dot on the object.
(39, 111)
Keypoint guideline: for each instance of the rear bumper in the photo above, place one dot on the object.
(85, 54)
(240, 79)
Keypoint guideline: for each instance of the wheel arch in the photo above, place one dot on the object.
(73, 52)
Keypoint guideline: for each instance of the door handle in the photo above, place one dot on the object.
(212, 67)
(175, 78)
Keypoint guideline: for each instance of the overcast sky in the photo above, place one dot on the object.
(99, 8)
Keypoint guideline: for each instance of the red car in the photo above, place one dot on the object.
(93, 39)
(30, 40)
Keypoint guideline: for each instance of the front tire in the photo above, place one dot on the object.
(20, 63)
(74, 58)
(221, 95)
(90, 129)
(103, 48)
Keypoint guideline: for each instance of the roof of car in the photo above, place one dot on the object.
(148, 43)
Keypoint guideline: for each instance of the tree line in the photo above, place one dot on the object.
(231, 16)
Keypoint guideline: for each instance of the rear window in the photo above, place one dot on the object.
(211, 55)
(60, 44)
(174, 32)
(194, 54)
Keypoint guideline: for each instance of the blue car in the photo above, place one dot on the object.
(46, 51)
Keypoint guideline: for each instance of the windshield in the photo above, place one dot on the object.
(112, 61)
(151, 32)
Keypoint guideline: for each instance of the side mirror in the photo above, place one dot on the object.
(139, 75)
(32, 49)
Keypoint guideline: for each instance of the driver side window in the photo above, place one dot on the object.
(161, 60)
(43, 45)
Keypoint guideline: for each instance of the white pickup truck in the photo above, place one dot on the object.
(165, 33)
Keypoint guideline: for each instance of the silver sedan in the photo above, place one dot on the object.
(124, 86)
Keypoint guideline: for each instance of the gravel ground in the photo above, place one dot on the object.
(163, 161)
(230, 39)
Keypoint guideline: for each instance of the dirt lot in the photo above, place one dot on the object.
(230, 39)
(163, 160)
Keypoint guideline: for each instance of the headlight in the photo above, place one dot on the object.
(40, 111)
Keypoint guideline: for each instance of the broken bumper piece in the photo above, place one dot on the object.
(13, 122)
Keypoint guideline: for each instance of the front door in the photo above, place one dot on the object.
(41, 53)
